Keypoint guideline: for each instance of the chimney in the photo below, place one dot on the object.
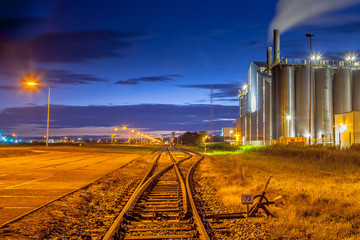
(268, 56)
(276, 45)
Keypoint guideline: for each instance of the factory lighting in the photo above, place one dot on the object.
(343, 128)
(350, 57)
(315, 57)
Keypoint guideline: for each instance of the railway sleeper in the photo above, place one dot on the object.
(158, 237)
(186, 228)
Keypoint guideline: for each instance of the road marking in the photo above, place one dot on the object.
(6, 196)
(16, 207)
(17, 185)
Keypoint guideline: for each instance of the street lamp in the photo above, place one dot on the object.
(309, 36)
(113, 135)
(231, 132)
(48, 112)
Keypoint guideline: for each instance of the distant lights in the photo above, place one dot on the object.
(350, 57)
(315, 57)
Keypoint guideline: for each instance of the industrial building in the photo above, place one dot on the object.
(292, 100)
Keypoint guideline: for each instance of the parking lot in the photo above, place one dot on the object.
(30, 181)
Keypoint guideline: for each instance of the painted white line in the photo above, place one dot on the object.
(7, 196)
(17, 185)
(16, 207)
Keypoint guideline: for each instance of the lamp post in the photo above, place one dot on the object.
(124, 128)
(48, 112)
(309, 36)
(113, 135)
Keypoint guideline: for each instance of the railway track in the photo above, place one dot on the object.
(162, 207)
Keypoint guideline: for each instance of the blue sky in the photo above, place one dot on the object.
(105, 59)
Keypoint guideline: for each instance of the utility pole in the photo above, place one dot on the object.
(309, 36)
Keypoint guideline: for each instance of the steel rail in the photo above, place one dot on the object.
(114, 229)
(181, 180)
(199, 223)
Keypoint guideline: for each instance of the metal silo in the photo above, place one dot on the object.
(302, 82)
(323, 103)
(342, 91)
(283, 98)
(356, 90)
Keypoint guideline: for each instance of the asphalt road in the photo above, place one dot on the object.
(27, 182)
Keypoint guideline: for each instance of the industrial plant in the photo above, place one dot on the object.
(300, 102)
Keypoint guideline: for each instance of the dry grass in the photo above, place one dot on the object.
(321, 189)
(14, 152)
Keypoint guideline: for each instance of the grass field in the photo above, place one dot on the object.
(321, 188)
(6, 151)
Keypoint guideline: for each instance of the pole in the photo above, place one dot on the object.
(310, 98)
(47, 125)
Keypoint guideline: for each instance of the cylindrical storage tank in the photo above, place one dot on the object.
(356, 90)
(342, 91)
(284, 94)
(323, 103)
(302, 83)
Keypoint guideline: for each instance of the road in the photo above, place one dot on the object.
(27, 182)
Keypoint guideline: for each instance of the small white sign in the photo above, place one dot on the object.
(247, 199)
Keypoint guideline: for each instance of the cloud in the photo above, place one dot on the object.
(222, 92)
(20, 28)
(154, 117)
(293, 13)
(51, 76)
(66, 77)
(352, 27)
(68, 47)
(135, 81)
(9, 88)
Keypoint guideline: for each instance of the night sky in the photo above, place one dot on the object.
(150, 64)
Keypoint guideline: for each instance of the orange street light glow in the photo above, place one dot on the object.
(32, 83)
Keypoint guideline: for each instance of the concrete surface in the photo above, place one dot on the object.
(27, 182)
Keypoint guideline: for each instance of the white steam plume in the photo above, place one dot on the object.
(292, 13)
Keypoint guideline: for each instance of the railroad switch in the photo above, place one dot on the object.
(263, 202)
(248, 199)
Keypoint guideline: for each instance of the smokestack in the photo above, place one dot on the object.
(276, 45)
(268, 56)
